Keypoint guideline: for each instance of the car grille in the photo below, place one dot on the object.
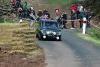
(51, 34)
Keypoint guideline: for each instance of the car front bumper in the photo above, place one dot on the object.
(52, 37)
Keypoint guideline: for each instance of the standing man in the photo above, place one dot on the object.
(26, 7)
(80, 13)
(39, 15)
(20, 14)
(13, 3)
(58, 16)
(64, 19)
(46, 14)
(32, 16)
(73, 18)
(73, 9)
(18, 4)
(57, 13)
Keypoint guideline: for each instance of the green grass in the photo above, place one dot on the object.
(93, 35)
(61, 2)
(94, 32)
(89, 38)
(6, 20)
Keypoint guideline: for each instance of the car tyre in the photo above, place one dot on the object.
(36, 35)
(40, 37)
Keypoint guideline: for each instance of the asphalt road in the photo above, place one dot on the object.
(70, 52)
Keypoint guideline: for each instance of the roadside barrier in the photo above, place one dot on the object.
(91, 22)
(83, 28)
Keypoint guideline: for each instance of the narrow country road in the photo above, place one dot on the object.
(70, 52)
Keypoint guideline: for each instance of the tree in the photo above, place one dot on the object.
(94, 5)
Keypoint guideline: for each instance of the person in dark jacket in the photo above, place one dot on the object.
(20, 14)
(13, 3)
(64, 19)
(32, 17)
(31, 13)
(73, 18)
(39, 14)
(18, 4)
(46, 13)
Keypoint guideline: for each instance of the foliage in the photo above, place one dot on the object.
(5, 10)
(1, 20)
(4, 2)
(94, 5)
(60, 1)
(94, 32)
(6, 19)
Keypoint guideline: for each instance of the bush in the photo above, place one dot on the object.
(94, 5)
(1, 20)
(6, 19)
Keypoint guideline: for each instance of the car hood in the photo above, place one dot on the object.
(51, 29)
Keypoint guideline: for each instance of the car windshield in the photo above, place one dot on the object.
(53, 25)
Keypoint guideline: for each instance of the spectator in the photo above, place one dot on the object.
(64, 19)
(13, 3)
(39, 14)
(59, 20)
(89, 15)
(32, 16)
(46, 14)
(25, 9)
(45, 11)
(20, 11)
(18, 4)
(58, 16)
(80, 13)
(73, 7)
(18, 0)
(73, 18)
(57, 12)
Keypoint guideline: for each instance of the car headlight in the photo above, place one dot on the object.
(48, 32)
(54, 33)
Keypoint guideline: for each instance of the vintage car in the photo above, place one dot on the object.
(48, 29)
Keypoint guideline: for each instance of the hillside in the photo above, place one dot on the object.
(17, 46)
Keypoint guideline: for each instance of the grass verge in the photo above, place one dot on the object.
(93, 35)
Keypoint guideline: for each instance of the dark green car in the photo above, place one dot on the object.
(48, 29)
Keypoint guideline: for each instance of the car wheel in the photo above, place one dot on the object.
(40, 37)
(36, 35)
